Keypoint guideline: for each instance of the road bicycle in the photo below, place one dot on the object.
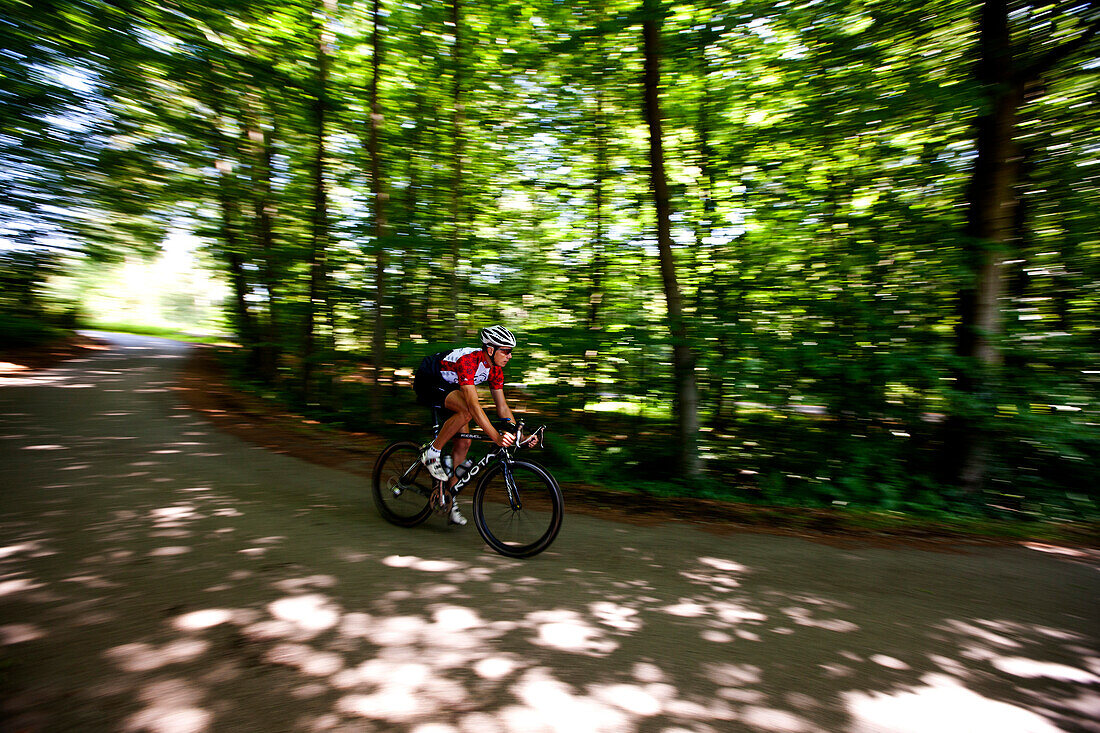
(517, 504)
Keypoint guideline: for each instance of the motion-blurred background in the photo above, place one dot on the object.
(838, 252)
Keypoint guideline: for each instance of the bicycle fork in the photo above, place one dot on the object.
(510, 485)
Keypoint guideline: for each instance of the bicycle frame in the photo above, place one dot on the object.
(484, 462)
(500, 454)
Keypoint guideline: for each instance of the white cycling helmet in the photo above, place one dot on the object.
(498, 336)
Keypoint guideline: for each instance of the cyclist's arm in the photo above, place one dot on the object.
(469, 393)
(503, 410)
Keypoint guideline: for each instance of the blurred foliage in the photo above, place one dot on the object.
(818, 157)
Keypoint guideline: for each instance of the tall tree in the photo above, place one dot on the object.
(1008, 75)
(457, 151)
(263, 214)
(378, 189)
(319, 230)
(683, 358)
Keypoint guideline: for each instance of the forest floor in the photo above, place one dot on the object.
(206, 387)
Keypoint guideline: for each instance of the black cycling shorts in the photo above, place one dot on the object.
(431, 390)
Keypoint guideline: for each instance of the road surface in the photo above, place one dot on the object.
(156, 575)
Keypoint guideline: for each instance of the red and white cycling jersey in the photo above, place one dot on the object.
(470, 366)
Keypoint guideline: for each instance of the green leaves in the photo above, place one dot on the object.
(818, 158)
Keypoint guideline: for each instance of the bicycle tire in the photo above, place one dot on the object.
(405, 506)
(532, 528)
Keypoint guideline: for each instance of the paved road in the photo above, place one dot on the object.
(156, 575)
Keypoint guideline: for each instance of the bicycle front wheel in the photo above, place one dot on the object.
(518, 508)
(402, 485)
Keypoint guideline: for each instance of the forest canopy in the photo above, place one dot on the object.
(836, 251)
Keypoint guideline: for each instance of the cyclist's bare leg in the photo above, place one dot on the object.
(459, 450)
(458, 422)
(461, 446)
(454, 424)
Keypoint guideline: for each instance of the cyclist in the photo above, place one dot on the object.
(448, 381)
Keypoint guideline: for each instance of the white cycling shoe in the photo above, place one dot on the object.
(433, 461)
(454, 516)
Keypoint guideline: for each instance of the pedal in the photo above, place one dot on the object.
(439, 498)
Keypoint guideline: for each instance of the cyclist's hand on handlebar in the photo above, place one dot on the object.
(507, 432)
(531, 442)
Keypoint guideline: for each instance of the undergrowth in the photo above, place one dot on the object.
(864, 476)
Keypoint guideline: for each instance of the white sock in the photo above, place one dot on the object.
(432, 452)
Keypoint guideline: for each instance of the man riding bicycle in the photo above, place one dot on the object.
(448, 381)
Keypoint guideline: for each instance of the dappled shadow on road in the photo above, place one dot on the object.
(254, 631)
(167, 579)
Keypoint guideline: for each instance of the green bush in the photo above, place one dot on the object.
(19, 331)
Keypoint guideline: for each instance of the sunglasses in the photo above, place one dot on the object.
(506, 351)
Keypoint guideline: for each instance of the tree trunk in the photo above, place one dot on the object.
(709, 291)
(378, 340)
(595, 294)
(456, 182)
(683, 360)
(246, 322)
(991, 204)
(319, 229)
(593, 317)
(263, 209)
(413, 305)
(229, 208)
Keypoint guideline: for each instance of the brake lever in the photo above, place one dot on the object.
(539, 434)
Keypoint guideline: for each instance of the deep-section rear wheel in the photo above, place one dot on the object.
(525, 521)
(401, 485)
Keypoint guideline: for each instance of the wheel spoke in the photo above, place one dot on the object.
(526, 527)
(400, 488)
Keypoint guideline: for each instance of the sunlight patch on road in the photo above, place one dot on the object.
(397, 691)
(16, 549)
(144, 657)
(45, 379)
(1033, 669)
(567, 631)
(172, 706)
(770, 719)
(733, 613)
(306, 660)
(169, 551)
(19, 585)
(416, 563)
(457, 618)
(549, 704)
(733, 675)
(173, 516)
(984, 635)
(727, 566)
(312, 613)
(620, 617)
(889, 662)
(943, 705)
(643, 700)
(686, 608)
(719, 581)
(19, 633)
(205, 619)
(803, 617)
(495, 668)
(162, 719)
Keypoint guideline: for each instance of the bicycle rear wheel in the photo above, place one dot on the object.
(402, 485)
(525, 523)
